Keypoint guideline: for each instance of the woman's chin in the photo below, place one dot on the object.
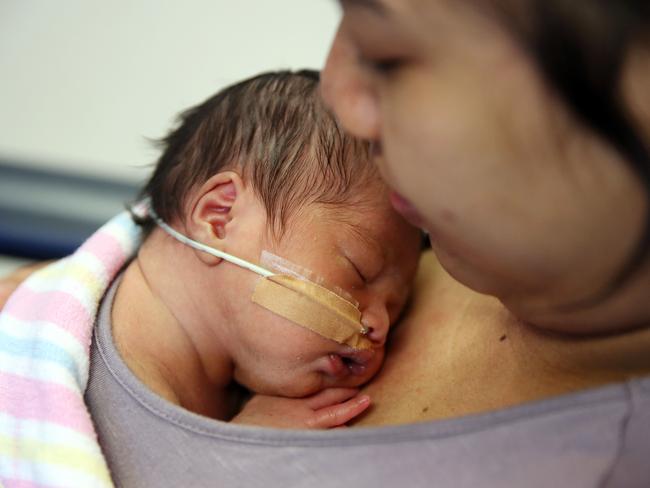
(465, 273)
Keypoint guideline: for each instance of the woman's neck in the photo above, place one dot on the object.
(460, 353)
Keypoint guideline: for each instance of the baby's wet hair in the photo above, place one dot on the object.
(275, 130)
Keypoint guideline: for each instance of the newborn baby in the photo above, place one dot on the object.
(261, 168)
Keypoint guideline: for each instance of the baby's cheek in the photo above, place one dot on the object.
(375, 366)
(377, 360)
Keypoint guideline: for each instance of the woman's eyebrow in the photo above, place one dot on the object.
(376, 6)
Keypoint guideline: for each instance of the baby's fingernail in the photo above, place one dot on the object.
(363, 400)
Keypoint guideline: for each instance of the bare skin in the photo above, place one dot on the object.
(458, 352)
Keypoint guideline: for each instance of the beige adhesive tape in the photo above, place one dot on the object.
(314, 307)
(293, 294)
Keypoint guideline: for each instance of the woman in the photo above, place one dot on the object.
(516, 133)
(531, 174)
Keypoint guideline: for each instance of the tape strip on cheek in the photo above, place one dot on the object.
(313, 307)
(299, 300)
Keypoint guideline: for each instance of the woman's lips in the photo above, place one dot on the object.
(376, 150)
(406, 209)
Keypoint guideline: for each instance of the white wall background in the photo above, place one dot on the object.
(83, 83)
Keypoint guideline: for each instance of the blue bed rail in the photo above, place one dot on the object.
(46, 214)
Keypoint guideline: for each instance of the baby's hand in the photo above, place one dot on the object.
(329, 408)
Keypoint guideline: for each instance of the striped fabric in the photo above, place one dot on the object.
(47, 437)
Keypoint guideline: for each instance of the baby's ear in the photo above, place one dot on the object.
(213, 210)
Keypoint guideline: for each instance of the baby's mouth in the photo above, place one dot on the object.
(352, 361)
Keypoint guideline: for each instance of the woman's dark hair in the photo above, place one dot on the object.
(580, 47)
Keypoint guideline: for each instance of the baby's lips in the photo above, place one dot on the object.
(333, 365)
(359, 356)
(347, 361)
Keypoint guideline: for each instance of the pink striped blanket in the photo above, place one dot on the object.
(47, 437)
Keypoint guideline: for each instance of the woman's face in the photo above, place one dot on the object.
(520, 200)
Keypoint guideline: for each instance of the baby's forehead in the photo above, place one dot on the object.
(370, 223)
(367, 227)
(376, 237)
(366, 236)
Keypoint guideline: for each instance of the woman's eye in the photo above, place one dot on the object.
(385, 66)
(381, 66)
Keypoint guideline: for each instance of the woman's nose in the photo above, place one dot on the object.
(346, 89)
(377, 322)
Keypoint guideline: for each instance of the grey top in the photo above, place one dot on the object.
(592, 438)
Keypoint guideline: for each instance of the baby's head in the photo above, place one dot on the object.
(263, 166)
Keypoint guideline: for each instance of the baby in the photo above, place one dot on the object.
(257, 180)
(260, 168)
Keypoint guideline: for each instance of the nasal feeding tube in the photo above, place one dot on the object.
(293, 293)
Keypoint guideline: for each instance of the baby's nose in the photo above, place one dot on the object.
(377, 321)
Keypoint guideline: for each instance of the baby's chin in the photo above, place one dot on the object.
(314, 384)
(331, 371)
(298, 386)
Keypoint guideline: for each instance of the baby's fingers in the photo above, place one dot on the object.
(331, 396)
(339, 414)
